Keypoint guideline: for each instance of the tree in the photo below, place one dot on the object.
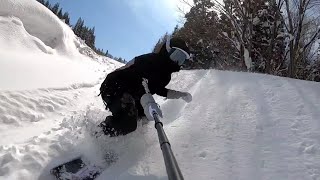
(200, 33)
(252, 26)
(160, 43)
(240, 14)
(59, 14)
(297, 14)
(268, 46)
(47, 4)
(78, 26)
(41, 1)
(80, 29)
(66, 18)
(55, 8)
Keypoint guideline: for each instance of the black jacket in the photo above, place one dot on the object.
(157, 68)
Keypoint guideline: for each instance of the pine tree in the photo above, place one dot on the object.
(176, 29)
(159, 44)
(41, 1)
(55, 8)
(78, 27)
(268, 46)
(201, 34)
(255, 28)
(60, 14)
(47, 4)
(66, 18)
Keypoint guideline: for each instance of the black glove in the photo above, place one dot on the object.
(172, 94)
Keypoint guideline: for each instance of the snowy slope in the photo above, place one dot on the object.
(43, 74)
(238, 126)
(38, 50)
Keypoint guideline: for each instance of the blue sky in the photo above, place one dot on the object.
(126, 28)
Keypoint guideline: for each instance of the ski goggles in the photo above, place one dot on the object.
(178, 55)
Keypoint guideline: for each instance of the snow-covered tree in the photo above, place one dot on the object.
(268, 45)
(201, 33)
(300, 14)
(255, 28)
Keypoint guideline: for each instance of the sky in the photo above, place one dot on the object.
(126, 28)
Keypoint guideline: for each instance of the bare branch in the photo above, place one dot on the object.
(187, 3)
(312, 39)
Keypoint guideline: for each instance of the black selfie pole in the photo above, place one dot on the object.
(171, 164)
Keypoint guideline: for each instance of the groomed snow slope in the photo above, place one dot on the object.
(238, 126)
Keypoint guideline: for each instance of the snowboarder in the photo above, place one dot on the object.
(122, 89)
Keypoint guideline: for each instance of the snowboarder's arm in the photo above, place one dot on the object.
(162, 92)
(173, 94)
(113, 84)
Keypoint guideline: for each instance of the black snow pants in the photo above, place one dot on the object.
(125, 112)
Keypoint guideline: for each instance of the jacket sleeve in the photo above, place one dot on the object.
(145, 66)
(112, 84)
(162, 92)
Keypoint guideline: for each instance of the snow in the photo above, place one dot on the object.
(238, 126)
(247, 59)
(225, 34)
(40, 23)
(38, 50)
(291, 37)
(256, 20)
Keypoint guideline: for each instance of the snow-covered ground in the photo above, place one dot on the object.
(238, 126)
(38, 50)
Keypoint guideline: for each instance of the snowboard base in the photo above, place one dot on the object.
(76, 169)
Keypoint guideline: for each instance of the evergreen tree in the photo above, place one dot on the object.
(254, 31)
(201, 34)
(47, 4)
(161, 41)
(41, 1)
(268, 46)
(60, 14)
(66, 18)
(78, 26)
(80, 29)
(55, 8)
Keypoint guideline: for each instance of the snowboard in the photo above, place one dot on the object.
(76, 169)
(81, 169)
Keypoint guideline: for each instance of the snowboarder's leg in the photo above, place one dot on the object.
(124, 116)
(140, 109)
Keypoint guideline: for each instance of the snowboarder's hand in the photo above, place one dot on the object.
(172, 94)
(187, 97)
(150, 106)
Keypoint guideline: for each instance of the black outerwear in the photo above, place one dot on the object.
(156, 68)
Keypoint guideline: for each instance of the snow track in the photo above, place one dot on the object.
(27, 146)
(245, 127)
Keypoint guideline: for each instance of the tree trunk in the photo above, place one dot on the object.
(291, 68)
